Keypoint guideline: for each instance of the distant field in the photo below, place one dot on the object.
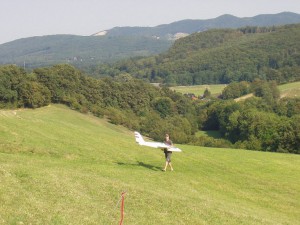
(290, 90)
(210, 133)
(58, 166)
(286, 90)
(198, 90)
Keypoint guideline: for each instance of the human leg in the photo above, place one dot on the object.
(165, 168)
(170, 164)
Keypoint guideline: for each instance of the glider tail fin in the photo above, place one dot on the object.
(138, 138)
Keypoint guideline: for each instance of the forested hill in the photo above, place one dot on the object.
(190, 26)
(77, 50)
(120, 42)
(223, 56)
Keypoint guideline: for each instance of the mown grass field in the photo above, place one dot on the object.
(58, 166)
(198, 90)
(290, 89)
(286, 90)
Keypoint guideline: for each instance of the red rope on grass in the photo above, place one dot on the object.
(122, 208)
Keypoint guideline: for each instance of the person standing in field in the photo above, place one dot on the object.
(168, 154)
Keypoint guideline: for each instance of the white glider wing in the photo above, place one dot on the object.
(140, 140)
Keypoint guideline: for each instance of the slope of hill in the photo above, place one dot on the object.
(168, 31)
(223, 56)
(120, 42)
(77, 50)
(58, 166)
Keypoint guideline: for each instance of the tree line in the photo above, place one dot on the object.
(264, 122)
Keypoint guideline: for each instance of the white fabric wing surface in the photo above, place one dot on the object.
(139, 139)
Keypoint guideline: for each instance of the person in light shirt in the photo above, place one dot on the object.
(168, 154)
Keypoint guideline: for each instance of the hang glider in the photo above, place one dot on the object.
(140, 140)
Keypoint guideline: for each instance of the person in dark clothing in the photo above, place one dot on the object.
(168, 154)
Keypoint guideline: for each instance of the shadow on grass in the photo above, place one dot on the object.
(148, 166)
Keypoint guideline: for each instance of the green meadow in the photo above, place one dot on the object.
(286, 90)
(290, 89)
(58, 166)
(198, 90)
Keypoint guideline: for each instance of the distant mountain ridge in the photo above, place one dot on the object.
(190, 26)
(77, 50)
(121, 42)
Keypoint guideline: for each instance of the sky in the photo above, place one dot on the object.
(27, 18)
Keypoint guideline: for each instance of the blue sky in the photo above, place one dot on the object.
(27, 18)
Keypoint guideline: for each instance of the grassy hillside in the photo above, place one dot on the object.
(58, 166)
